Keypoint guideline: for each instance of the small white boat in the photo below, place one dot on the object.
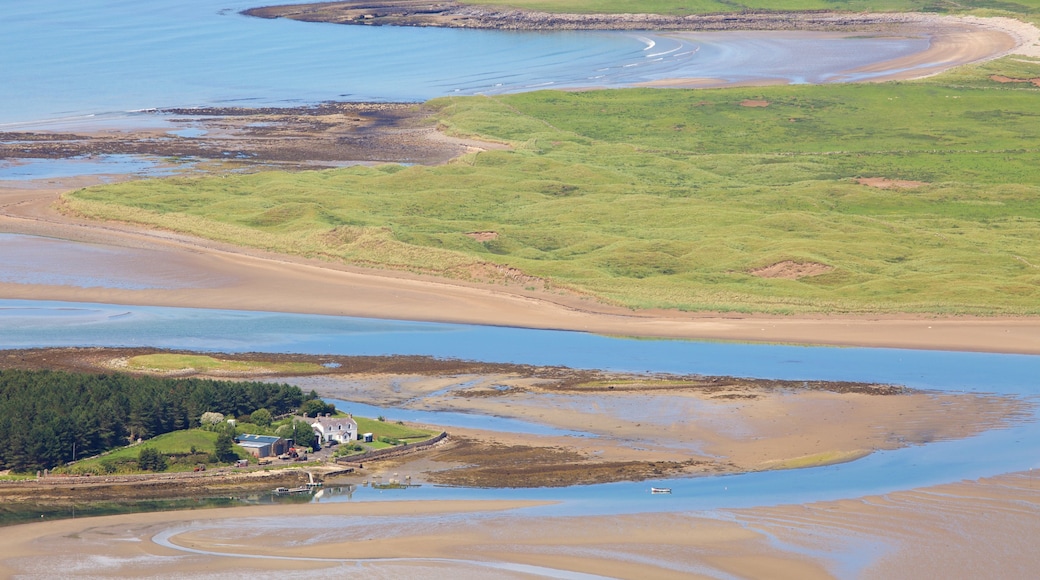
(660, 490)
(294, 490)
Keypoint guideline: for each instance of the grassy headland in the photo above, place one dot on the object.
(682, 7)
(526, 14)
(677, 198)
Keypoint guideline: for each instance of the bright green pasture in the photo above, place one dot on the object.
(670, 198)
(717, 6)
(393, 430)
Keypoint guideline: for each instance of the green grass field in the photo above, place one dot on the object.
(177, 442)
(392, 430)
(671, 198)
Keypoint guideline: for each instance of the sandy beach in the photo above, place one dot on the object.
(953, 43)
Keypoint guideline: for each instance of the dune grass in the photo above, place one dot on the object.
(672, 198)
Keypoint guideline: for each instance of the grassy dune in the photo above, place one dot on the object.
(672, 198)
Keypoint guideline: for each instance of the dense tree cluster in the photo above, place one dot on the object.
(48, 418)
(314, 407)
(151, 460)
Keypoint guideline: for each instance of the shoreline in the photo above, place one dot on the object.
(449, 14)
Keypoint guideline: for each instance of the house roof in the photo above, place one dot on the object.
(257, 440)
(334, 422)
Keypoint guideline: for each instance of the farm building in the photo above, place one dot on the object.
(263, 445)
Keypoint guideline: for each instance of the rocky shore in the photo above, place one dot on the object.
(236, 138)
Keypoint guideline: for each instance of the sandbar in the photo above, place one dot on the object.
(245, 279)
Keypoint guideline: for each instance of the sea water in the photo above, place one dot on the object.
(65, 63)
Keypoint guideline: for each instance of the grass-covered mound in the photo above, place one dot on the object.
(899, 197)
(170, 362)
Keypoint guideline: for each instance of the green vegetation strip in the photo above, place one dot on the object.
(677, 198)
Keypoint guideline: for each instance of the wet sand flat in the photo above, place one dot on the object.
(950, 531)
(728, 429)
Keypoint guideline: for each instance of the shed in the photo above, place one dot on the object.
(263, 445)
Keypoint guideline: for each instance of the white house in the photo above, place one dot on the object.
(341, 429)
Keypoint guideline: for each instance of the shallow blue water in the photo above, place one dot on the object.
(32, 168)
(27, 324)
(36, 324)
(452, 419)
(71, 62)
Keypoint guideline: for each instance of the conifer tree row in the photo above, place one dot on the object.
(48, 418)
